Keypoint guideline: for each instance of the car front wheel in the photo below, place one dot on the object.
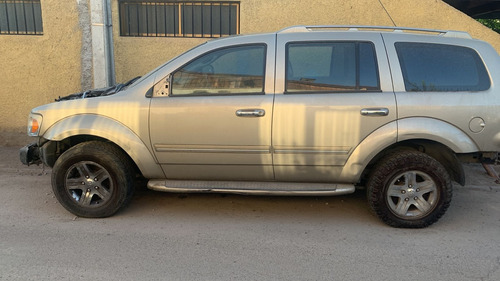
(92, 179)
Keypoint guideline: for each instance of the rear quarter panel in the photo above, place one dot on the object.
(458, 109)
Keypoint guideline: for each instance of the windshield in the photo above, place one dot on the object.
(127, 84)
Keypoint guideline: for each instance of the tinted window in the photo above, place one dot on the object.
(436, 67)
(368, 71)
(331, 66)
(236, 70)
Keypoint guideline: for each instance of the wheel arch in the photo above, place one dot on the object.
(436, 150)
(438, 131)
(88, 127)
(436, 138)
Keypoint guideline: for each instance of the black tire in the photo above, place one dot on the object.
(93, 179)
(409, 189)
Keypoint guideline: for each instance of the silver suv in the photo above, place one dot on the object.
(308, 110)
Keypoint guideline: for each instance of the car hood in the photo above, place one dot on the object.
(99, 92)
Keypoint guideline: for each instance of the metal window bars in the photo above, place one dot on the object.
(21, 17)
(178, 18)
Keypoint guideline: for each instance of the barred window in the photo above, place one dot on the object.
(178, 18)
(21, 17)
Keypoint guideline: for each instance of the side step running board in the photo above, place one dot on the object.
(252, 188)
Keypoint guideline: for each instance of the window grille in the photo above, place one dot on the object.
(178, 19)
(22, 17)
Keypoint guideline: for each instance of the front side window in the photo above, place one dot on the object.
(331, 67)
(436, 67)
(228, 71)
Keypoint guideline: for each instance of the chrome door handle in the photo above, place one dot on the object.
(375, 111)
(250, 112)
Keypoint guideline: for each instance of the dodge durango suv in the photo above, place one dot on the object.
(308, 110)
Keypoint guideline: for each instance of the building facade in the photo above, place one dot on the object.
(52, 48)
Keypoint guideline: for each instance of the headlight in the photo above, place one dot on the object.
(34, 124)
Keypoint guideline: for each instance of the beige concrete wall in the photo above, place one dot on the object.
(263, 15)
(137, 55)
(437, 14)
(36, 69)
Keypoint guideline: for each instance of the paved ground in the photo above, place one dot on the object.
(164, 236)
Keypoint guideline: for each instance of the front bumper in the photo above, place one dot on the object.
(30, 154)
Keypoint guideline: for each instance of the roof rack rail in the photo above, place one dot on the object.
(445, 33)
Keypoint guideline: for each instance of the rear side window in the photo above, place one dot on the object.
(441, 68)
(331, 67)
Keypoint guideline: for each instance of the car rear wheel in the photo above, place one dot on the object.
(93, 179)
(409, 189)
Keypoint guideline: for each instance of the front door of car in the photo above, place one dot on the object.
(332, 91)
(215, 121)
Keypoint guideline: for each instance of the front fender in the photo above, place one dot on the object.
(112, 130)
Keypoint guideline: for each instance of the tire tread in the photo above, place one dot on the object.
(397, 161)
(112, 157)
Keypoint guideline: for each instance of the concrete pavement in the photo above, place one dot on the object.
(163, 236)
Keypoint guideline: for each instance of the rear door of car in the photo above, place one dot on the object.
(332, 91)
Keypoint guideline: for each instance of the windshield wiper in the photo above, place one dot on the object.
(99, 92)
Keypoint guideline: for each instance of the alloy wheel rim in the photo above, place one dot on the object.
(412, 195)
(89, 184)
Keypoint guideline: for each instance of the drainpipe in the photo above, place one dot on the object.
(102, 43)
(110, 57)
